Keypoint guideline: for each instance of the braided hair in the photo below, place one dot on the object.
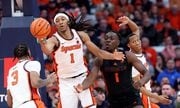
(79, 23)
(20, 51)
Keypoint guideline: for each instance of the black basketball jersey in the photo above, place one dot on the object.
(118, 77)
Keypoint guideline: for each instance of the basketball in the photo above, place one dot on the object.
(40, 28)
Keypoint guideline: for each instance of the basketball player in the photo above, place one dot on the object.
(134, 43)
(67, 46)
(24, 81)
(122, 92)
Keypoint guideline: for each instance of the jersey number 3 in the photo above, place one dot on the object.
(14, 75)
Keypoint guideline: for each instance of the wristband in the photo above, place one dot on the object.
(43, 40)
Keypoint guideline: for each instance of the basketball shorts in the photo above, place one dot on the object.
(32, 104)
(69, 97)
(128, 100)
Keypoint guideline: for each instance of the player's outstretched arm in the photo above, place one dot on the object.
(141, 68)
(37, 82)
(98, 52)
(160, 98)
(47, 45)
(132, 25)
(91, 77)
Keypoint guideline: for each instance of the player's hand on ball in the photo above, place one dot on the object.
(40, 28)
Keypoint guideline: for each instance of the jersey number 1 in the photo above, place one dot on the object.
(72, 58)
(116, 75)
(14, 75)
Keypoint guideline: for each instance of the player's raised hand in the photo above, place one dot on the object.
(123, 20)
(118, 55)
(52, 78)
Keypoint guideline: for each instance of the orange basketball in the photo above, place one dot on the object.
(40, 28)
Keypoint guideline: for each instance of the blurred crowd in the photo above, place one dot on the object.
(159, 22)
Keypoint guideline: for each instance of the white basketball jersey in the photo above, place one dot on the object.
(69, 56)
(135, 72)
(19, 83)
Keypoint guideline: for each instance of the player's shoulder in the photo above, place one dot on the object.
(32, 62)
(130, 54)
(12, 68)
(82, 33)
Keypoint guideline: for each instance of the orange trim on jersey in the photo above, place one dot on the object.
(85, 61)
(145, 101)
(34, 95)
(153, 105)
(92, 97)
(39, 104)
(59, 105)
(116, 77)
(54, 62)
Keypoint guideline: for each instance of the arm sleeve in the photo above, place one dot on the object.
(33, 66)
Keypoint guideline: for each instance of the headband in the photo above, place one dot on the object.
(60, 14)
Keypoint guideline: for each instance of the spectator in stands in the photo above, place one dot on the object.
(148, 30)
(160, 64)
(102, 27)
(177, 102)
(43, 2)
(177, 85)
(173, 16)
(168, 31)
(100, 96)
(167, 90)
(87, 16)
(156, 88)
(177, 58)
(169, 50)
(151, 53)
(124, 31)
(99, 82)
(153, 13)
(105, 5)
(44, 14)
(159, 27)
(74, 9)
(137, 17)
(53, 95)
(165, 80)
(52, 8)
(147, 4)
(170, 72)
